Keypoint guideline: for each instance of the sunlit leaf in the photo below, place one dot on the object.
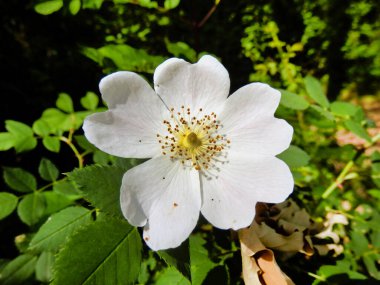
(65, 103)
(294, 157)
(52, 143)
(74, 6)
(22, 135)
(357, 129)
(315, 91)
(108, 252)
(48, 7)
(90, 101)
(6, 141)
(293, 101)
(343, 108)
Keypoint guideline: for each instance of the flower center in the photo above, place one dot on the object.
(194, 140)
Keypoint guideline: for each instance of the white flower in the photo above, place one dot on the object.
(209, 153)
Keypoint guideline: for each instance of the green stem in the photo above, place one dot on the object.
(339, 180)
(74, 149)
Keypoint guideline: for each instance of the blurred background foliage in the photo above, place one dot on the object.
(323, 55)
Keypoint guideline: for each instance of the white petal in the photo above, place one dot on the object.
(249, 124)
(229, 200)
(204, 84)
(167, 196)
(130, 127)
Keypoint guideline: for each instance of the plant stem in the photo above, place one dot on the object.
(74, 149)
(339, 180)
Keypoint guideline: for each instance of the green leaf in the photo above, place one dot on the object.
(65, 103)
(23, 137)
(31, 208)
(171, 276)
(8, 203)
(179, 258)
(53, 234)
(343, 108)
(293, 101)
(294, 157)
(68, 189)
(108, 252)
(324, 113)
(359, 243)
(55, 202)
(125, 57)
(90, 101)
(48, 170)
(48, 7)
(52, 143)
(6, 141)
(370, 261)
(18, 270)
(74, 7)
(201, 264)
(44, 267)
(58, 121)
(171, 4)
(92, 4)
(101, 186)
(41, 128)
(357, 129)
(19, 179)
(315, 91)
(180, 49)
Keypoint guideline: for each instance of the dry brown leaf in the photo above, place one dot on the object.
(259, 264)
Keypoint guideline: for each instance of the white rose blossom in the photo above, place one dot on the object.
(209, 153)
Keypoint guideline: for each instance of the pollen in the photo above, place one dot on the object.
(193, 139)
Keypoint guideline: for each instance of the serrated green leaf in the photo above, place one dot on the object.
(108, 251)
(31, 208)
(6, 141)
(57, 120)
(179, 258)
(201, 264)
(52, 143)
(22, 136)
(18, 270)
(44, 267)
(171, 4)
(8, 204)
(101, 186)
(47, 170)
(315, 91)
(53, 234)
(65, 103)
(74, 7)
(293, 101)
(294, 157)
(343, 108)
(90, 101)
(41, 128)
(48, 7)
(357, 129)
(171, 276)
(67, 189)
(19, 179)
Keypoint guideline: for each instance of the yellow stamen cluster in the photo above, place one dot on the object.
(193, 139)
